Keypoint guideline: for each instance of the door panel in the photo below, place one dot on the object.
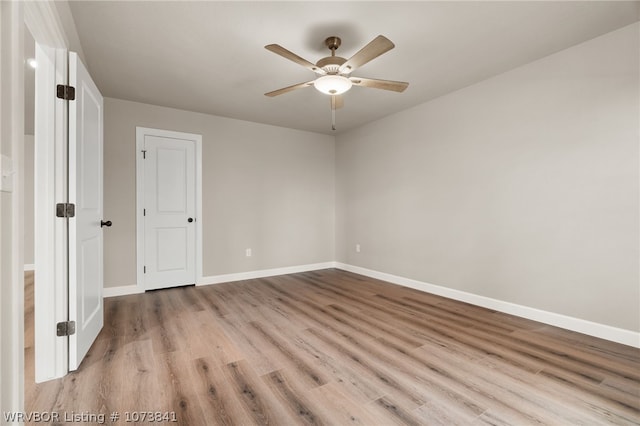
(85, 191)
(171, 251)
(169, 202)
(89, 263)
(171, 177)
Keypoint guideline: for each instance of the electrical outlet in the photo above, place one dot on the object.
(357, 248)
(247, 252)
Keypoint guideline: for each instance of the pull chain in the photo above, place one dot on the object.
(333, 119)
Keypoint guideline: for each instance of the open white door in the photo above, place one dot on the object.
(85, 229)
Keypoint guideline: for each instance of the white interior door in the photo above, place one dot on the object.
(169, 209)
(85, 230)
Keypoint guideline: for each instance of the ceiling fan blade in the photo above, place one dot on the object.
(396, 86)
(375, 48)
(337, 102)
(279, 50)
(289, 89)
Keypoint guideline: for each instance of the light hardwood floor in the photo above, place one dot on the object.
(331, 347)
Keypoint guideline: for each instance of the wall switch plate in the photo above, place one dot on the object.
(357, 248)
(247, 252)
(6, 174)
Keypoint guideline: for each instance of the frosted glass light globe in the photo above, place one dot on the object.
(332, 84)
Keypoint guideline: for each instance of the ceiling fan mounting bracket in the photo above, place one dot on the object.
(333, 43)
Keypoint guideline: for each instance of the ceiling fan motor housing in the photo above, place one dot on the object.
(331, 64)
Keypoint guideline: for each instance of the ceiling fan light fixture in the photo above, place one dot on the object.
(332, 84)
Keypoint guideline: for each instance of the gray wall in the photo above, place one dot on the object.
(264, 187)
(522, 188)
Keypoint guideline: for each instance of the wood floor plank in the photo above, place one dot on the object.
(262, 357)
(332, 348)
(498, 390)
(359, 387)
(363, 363)
(574, 401)
(406, 370)
(208, 339)
(307, 373)
(388, 408)
(618, 366)
(176, 391)
(258, 402)
(216, 395)
(300, 407)
(139, 375)
(337, 406)
(439, 413)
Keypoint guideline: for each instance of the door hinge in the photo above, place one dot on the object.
(68, 93)
(144, 212)
(144, 154)
(65, 210)
(144, 269)
(66, 328)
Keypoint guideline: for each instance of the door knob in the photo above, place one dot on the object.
(190, 220)
(107, 223)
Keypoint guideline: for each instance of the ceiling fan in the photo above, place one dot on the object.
(334, 72)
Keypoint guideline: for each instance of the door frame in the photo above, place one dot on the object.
(141, 132)
(12, 133)
(51, 261)
(44, 24)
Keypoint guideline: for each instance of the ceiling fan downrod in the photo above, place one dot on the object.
(333, 43)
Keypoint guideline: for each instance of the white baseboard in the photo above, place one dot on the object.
(626, 337)
(218, 279)
(29, 267)
(120, 291)
(226, 278)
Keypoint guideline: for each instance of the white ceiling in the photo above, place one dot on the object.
(209, 56)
